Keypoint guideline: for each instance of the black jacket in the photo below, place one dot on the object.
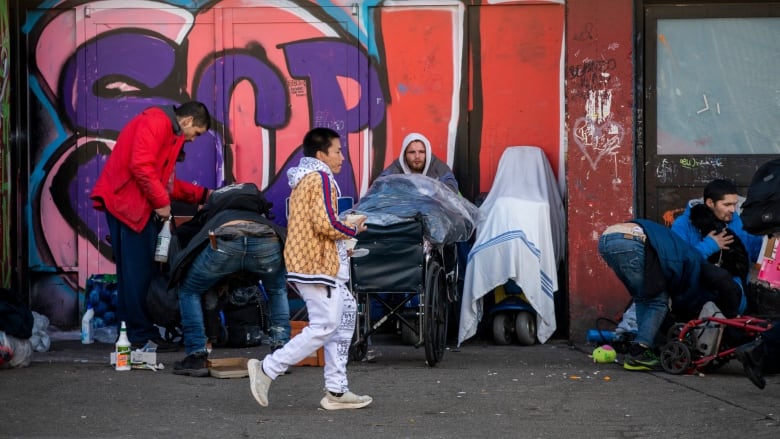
(230, 203)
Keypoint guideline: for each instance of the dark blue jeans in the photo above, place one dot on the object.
(259, 255)
(626, 257)
(135, 267)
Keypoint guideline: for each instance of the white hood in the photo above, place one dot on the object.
(409, 139)
(306, 166)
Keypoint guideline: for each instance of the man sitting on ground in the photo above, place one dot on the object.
(713, 226)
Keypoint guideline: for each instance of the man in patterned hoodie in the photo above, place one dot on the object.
(317, 263)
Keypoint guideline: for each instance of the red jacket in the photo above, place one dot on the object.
(135, 178)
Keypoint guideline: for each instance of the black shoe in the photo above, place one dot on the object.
(194, 365)
(641, 358)
(751, 356)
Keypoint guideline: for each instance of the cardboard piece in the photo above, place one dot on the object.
(138, 357)
(228, 367)
(316, 359)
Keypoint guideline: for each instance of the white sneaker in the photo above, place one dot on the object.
(259, 382)
(346, 401)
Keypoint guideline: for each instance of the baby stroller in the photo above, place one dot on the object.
(702, 345)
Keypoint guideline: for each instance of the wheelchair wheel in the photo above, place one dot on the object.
(525, 328)
(435, 318)
(676, 357)
(358, 350)
(409, 336)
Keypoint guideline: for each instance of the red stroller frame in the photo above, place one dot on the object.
(683, 353)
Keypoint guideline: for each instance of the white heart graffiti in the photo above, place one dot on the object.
(596, 134)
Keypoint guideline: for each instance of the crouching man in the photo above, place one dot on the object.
(232, 233)
(657, 266)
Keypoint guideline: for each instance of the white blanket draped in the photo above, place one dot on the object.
(521, 239)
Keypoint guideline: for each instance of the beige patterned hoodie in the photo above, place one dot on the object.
(314, 250)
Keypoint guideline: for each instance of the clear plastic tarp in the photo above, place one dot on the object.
(447, 216)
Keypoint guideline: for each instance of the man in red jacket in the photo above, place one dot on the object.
(135, 190)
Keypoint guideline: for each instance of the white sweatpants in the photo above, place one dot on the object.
(332, 315)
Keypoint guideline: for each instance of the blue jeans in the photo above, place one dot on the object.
(259, 255)
(626, 257)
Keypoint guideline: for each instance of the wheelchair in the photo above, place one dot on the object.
(403, 271)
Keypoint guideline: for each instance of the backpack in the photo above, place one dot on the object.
(239, 196)
(761, 209)
(237, 296)
(245, 311)
(162, 303)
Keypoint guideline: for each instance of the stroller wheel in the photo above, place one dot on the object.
(676, 357)
(674, 331)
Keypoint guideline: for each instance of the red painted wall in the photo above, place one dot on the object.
(599, 126)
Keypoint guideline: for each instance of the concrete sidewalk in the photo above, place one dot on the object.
(481, 390)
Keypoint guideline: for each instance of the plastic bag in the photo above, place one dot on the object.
(40, 340)
(628, 322)
(20, 349)
(447, 216)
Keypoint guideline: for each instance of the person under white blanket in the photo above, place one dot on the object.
(515, 243)
(522, 239)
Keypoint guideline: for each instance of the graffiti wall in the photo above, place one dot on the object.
(474, 77)
(599, 124)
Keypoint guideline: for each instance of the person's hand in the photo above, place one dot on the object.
(360, 224)
(722, 239)
(208, 195)
(163, 212)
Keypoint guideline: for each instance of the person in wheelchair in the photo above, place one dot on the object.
(230, 234)
(657, 266)
(416, 158)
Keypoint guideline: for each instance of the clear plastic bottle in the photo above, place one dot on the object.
(163, 242)
(123, 349)
(88, 325)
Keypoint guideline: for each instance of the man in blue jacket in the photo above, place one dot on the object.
(657, 266)
(713, 226)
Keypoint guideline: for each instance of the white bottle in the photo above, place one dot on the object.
(123, 349)
(163, 242)
(88, 326)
